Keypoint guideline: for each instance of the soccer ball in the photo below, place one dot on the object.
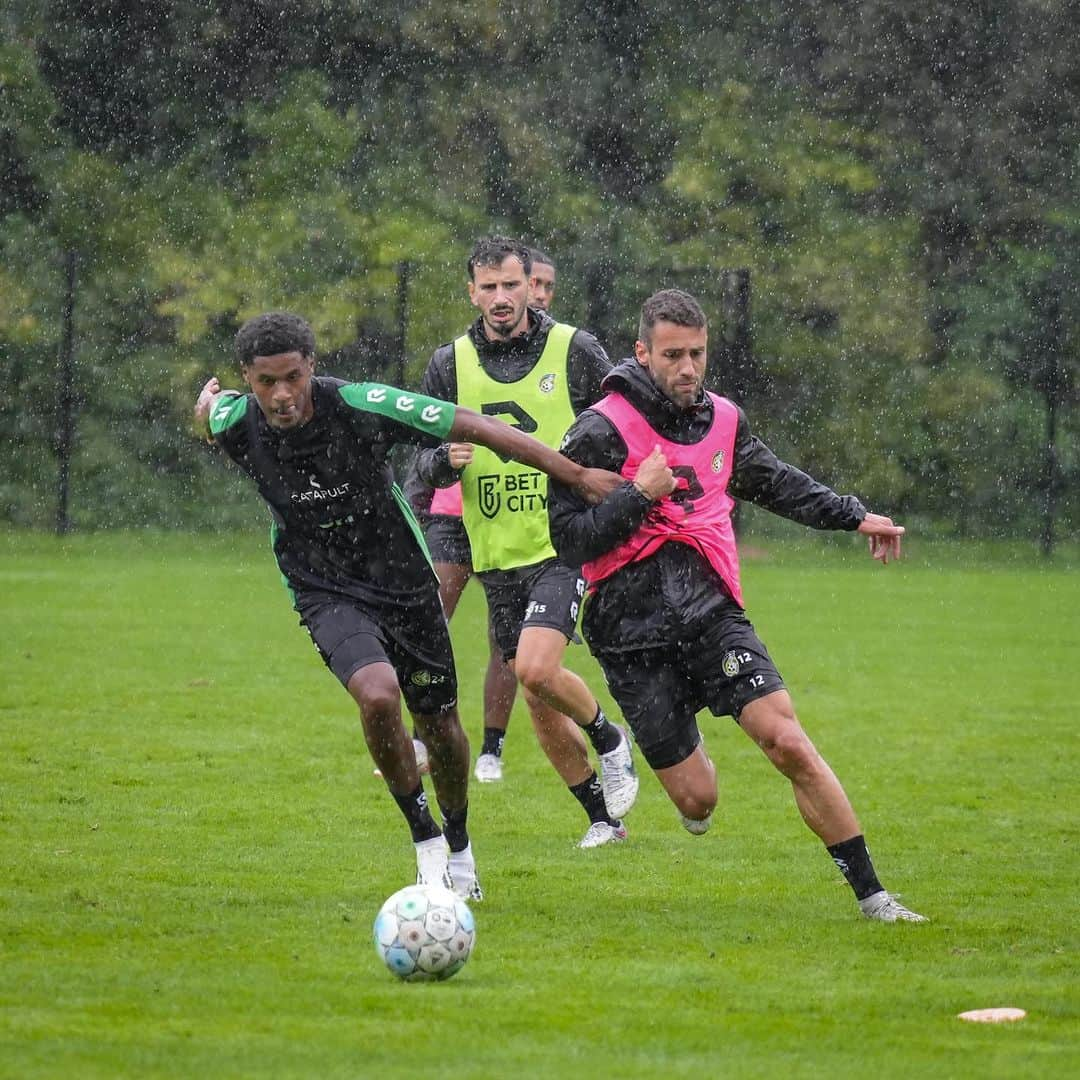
(424, 932)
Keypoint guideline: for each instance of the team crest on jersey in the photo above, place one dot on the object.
(730, 665)
(718, 461)
(489, 497)
(547, 383)
(421, 678)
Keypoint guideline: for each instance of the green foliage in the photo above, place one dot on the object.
(897, 180)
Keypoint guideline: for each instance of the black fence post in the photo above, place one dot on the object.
(737, 376)
(65, 428)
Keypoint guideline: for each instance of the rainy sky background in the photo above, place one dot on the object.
(877, 203)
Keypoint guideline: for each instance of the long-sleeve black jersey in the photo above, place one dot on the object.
(340, 523)
(581, 533)
(508, 362)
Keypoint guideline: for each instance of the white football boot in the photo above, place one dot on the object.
(432, 862)
(618, 777)
(600, 833)
(884, 907)
(463, 874)
(488, 769)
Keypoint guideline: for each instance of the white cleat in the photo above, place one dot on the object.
(693, 825)
(463, 874)
(488, 769)
(618, 778)
(422, 764)
(432, 862)
(600, 833)
(884, 907)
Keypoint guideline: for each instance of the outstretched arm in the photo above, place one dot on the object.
(473, 427)
(762, 478)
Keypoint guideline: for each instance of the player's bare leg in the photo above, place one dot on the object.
(375, 689)
(691, 786)
(500, 689)
(453, 577)
(560, 739)
(500, 685)
(539, 668)
(771, 722)
(448, 754)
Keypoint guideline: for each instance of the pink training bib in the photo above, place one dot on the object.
(698, 511)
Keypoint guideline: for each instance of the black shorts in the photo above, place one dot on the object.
(413, 639)
(547, 594)
(447, 540)
(722, 666)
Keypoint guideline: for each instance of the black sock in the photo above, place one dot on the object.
(856, 865)
(415, 808)
(453, 827)
(591, 796)
(493, 741)
(603, 734)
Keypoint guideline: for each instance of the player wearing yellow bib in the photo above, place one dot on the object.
(536, 374)
(439, 512)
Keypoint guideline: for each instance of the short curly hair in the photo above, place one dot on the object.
(673, 306)
(492, 250)
(271, 334)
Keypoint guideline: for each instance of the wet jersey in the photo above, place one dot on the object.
(340, 522)
(698, 511)
(504, 503)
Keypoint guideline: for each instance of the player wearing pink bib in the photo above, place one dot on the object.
(665, 614)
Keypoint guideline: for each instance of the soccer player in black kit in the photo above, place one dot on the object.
(353, 558)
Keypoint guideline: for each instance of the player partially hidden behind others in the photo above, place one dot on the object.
(665, 613)
(440, 511)
(517, 363)
(352, 557)
(541, 280)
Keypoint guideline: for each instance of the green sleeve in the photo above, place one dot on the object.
(229, 409)
(426, 414)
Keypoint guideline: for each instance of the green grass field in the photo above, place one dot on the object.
(192, 845)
